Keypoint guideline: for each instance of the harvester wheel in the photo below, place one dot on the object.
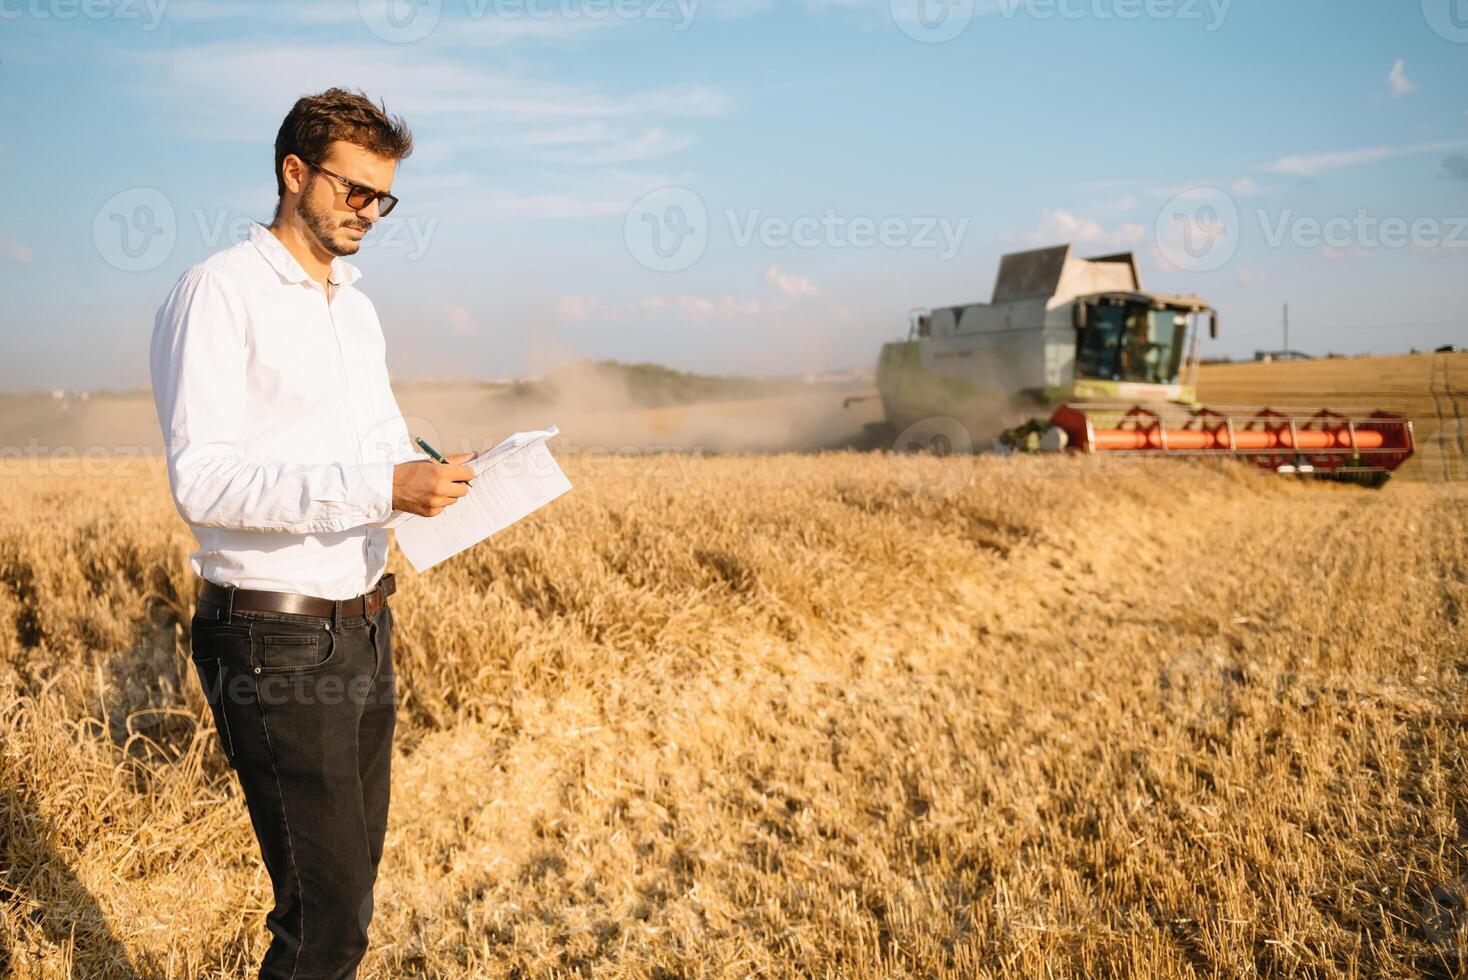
(878, 435)
(1030, 437)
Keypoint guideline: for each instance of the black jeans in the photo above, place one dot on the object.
(305, 710)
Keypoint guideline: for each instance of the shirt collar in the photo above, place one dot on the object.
(343, 273)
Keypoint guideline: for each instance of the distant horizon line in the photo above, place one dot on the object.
(852, 373)
(146, 389)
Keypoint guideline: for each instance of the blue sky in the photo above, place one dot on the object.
(543, 125)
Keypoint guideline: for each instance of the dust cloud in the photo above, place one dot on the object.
(596, 409)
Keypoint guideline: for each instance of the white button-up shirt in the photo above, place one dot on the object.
(280, 428)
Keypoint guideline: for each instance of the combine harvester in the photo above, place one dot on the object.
(1115, 366)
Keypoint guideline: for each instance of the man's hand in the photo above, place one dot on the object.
(425, 488)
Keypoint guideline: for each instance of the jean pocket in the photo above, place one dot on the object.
(295, 653)
(211, 678)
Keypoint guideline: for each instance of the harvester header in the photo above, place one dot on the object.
(1363, 446)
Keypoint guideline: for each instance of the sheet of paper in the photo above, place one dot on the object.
(511, 481)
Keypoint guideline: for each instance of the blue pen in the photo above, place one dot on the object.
(435, 454)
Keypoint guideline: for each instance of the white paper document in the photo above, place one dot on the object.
(511, 481)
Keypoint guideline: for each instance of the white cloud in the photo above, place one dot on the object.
(484, 31)
(12, 250)
(1313, 164)
(1397, 82)
(1058, 227)
(706, 309)
(509, 204)
(596, 131)
(196, 86)
(1335, 254)
(578, 309)
(298, 13)
(498, 32)
(787, 284)
(558, 101)
(596, 142)
(1127, 203)
(460, 320)
(731, 9)
(1238, 187)
(632, 148)
(1249, 274)
(589, 194)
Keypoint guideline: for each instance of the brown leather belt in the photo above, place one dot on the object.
(255, 600)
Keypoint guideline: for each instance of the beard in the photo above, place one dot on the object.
(328, 231)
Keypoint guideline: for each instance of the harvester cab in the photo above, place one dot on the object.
(1115, 365)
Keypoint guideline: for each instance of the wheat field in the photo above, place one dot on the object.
(834, 715)
(1429, 389)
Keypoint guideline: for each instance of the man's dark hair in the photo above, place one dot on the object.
(316, 121)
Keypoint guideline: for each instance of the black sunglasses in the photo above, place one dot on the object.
(358, 196)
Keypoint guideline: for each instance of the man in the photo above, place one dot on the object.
(286, 455)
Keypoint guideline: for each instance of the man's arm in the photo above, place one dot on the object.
(410, 494)
(198, 371)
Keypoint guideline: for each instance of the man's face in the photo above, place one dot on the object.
(323, 203)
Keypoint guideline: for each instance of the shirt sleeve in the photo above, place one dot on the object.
(402, 453)
(199, 389)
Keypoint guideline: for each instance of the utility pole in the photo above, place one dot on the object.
(1287, 331)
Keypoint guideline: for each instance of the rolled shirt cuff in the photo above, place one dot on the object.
(371, 490)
